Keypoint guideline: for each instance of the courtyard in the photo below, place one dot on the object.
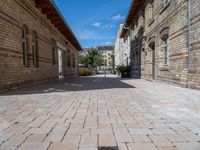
(93, 112)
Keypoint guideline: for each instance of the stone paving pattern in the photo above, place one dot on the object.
(95, 111)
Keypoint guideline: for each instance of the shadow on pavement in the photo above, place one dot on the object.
(79, 84)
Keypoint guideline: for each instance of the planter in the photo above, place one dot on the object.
(126, 75)
(125, 71)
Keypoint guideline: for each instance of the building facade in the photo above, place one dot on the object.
(165, 41)
(122, 48)
(36, 44)
(106, 52)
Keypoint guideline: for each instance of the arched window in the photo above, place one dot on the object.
(35, 49)
(152, 9)
(164, 34)
(25, 45)
(53, 55)
(165, 40)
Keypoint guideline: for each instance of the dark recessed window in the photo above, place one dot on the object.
(35, 50)
(165, 50)
(53, 56)
(68, 60)
(74, 61)
(25, 45)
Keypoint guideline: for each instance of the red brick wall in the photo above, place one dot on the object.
(13, 15)
(175, 18)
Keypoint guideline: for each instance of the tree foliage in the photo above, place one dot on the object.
(112, 61)
(93, 59)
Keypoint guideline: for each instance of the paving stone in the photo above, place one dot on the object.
(167, 148)
(88, 148)
(62, 146)
(71, 139)
(141, 146)
(160, 141)
(141, 139)
(122, 146)
(36, 138)
(123, 138)
(16, 140)
(107, 140)
(188, 146)
(88, 141)
(8, 147)
(5, 136)
(34, 146)
(190, 136)
(39, 131)
(175, 138)
(4, 124)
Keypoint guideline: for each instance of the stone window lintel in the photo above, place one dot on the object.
(164, 7)
(150, 22)
(164, 68)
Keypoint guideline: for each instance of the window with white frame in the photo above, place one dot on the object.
(165, 50)
(25, 45)
(34, 50)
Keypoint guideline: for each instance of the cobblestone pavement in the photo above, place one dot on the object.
(89, 112)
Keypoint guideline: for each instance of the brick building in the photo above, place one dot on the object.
(36, 44)
(165, 41)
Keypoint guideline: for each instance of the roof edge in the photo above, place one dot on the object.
(53, 5)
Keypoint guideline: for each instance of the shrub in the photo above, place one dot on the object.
(85, 72)
(123, 70)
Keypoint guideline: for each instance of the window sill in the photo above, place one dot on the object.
(164, 7)
(26, 66)
(164, 68)
(150, 22)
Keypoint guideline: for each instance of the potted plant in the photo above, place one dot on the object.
(124, 71)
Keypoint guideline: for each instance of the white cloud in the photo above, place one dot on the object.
(86, 34)
(107, 43)
(109, 26)
(96, 24)
(118, 17)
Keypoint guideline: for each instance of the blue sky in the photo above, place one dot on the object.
(94, 22)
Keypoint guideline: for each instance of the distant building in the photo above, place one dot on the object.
(85, 51)
(106, 52)
(122, 48)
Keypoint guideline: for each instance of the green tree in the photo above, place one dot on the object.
(83, 60)
(112, 61)
(95, 58)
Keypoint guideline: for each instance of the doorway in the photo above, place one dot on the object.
(60, 64)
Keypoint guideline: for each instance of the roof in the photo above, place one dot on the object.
(49, 8)
(131, 14)
(104, 48)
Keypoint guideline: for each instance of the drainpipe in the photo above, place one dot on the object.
(189, 31)
(189, 39)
